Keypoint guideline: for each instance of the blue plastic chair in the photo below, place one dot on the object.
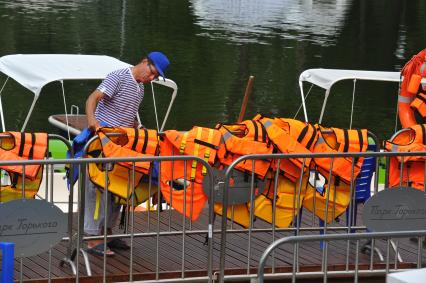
(362, 185)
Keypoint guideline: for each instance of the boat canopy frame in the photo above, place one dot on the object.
(34, 71)
(327, 78)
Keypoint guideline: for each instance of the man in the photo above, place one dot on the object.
(115, 103)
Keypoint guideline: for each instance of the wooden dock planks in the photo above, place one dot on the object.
(196, 253)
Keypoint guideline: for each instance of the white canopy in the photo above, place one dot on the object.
(326, 78)
(33, 71)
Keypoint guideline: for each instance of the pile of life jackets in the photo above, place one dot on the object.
(19, 181)
(291, 182)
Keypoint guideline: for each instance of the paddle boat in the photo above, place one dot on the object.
(34, 71)
(327, 79)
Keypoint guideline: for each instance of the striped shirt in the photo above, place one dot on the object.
(122, 97)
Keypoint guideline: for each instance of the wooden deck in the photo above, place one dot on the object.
(35, 269)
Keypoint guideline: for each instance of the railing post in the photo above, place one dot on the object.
(8, 250)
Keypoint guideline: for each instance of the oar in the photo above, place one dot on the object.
(247, 93)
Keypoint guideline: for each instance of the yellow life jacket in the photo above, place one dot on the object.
(238, 213)
(316, 197)
(239, 193)
(21, 146)
(286, 207)
(126, 142)
(289, 200)
(249, 137)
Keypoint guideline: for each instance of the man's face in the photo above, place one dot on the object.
(148, 72)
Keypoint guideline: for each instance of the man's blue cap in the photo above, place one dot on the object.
(160, 61)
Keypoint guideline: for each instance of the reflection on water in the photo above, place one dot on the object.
(253, 21)
(34, 6)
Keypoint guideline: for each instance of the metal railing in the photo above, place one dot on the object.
(296, 226)
(160, 229)
(354, 271)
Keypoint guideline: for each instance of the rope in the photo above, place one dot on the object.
(301, 105)
(397, 110)
(353, 102)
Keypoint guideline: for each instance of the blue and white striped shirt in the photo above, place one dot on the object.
(122, 97)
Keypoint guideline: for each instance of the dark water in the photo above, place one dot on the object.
(215, 45)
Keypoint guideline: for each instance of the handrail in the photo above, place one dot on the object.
(328, 238)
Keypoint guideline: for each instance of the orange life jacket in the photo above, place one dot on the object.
(249, 137)
(290, 136)
(411, 86)
(201, 142)
(334, 140)
(305, 133)
(26, 146)
(419, 103)
(21, 146)
(410, 140)
(134, 143)
(123, 142)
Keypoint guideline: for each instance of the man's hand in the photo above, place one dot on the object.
(92, 123)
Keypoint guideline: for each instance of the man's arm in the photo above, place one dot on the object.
(91, 103)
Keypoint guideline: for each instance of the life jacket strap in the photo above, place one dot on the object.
(97, 205)
(145, 141)
(196, 149)
(346, 140)
(256, 131)
(33, 140)
(303, 133)
(136, 138)
(311, 140)
(183, 143)
(21, 146)
(206, 144)
(264, 134)
(207, 152)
